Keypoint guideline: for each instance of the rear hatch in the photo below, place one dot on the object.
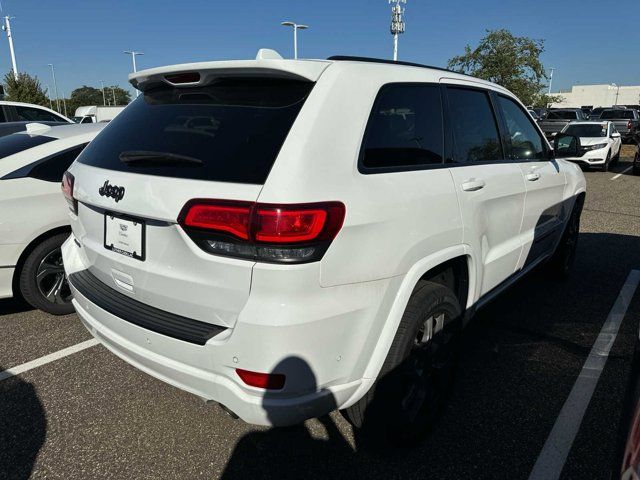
(173, 144)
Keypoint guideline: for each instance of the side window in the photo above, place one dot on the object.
(526, 143)
(474, 126)
(52, 168)
(35, 114)
(405, 128)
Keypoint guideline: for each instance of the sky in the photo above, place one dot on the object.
(586, 41)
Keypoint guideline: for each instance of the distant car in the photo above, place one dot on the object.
(595, 113)
(626, 120)
(28, 112)
(556, 120)
(600, 143)
(33, 213)
(533, 113)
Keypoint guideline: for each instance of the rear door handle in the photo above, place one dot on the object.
(532, 177)
(473, 185)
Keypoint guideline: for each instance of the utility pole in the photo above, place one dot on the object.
(296, 27)
(49, 96)
(7, 28)
(104, 100)
(133, 54)
(64, 102)
(55, 86)
(551, 80)
(397, 23)
(114, 96)
(617, 93)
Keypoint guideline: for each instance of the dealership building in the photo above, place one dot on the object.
(599, 96)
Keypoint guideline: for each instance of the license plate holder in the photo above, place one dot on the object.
(125, 235)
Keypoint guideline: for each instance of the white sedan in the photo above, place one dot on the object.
(600, 143)
(33, 214)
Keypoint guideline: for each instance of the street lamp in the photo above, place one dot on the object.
(617, 92)
(133, 59)
(551, 79)
(296, 27)
(7, 28)
(104, 100)
(55, 86)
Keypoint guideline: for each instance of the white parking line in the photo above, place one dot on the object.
(621, 173)
(554, 453)
(52, 357)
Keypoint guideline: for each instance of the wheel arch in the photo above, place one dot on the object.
(28, 249)
(460, 260)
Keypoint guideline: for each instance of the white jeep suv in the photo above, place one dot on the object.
(286, 237)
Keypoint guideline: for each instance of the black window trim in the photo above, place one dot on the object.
(25, 171)
(407, 168)
(506, 137)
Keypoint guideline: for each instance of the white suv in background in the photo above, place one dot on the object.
(287, 237)
(600, 143)
(33, 217)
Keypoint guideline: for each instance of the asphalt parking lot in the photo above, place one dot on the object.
(90, 415)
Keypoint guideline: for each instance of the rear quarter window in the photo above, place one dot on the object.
(230, 131)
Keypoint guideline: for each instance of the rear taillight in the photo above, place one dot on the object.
(263, 232)
(67, 190)
(629, 125)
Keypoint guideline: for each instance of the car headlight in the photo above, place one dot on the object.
(598, 146)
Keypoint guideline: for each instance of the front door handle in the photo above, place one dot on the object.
(532, 177)
(473, 184)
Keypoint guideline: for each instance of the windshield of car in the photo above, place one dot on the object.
(617, 114)
(587, 130)
(234, 128)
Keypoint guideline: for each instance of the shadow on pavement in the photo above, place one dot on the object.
(23, 428)
(520, 359)
(9, 306)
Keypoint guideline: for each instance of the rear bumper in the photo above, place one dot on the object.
(320, 342)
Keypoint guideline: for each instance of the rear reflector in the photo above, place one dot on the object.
(268, 381)
(68, 181)
(265, 232)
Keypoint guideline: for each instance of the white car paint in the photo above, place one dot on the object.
(610, 144)
(341, 313)
(29, 207)
(56, 116)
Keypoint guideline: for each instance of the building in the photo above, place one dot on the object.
(599, 96)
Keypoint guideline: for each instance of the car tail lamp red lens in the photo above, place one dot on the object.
(264, 232)
(223, 218)
(268, 381)
(68, 182)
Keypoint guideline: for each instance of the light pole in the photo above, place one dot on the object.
(7, 28)
(617, 92)
(133, 54)
(49, 96)
(296, 27)
(55, 86)
(104, 100)
(397, 23)
(551, 79)
(114, 96)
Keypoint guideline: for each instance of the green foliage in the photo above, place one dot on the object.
(86, 95)
(510, 61)
(25, 89)
(544, 100)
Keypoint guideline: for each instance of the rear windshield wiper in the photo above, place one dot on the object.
(141, 158)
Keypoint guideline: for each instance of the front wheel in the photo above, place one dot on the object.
(43, 282)
(413, 383)
(605, 167)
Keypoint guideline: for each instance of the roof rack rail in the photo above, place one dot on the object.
(390, 62)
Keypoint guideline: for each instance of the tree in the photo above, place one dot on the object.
(502, 58)
(25, 89)
(85, 95)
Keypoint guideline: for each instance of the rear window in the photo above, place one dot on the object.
(18, 142)
(615, 114)
(230, 131)
(562, 115)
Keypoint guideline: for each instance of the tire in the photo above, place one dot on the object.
(605, 167)
(616, 159)
(418, 372)
(43, 283)
(560, 264)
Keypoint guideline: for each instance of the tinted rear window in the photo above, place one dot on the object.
(18, 142)
(612, 114)
(562, 116)
(231, 131)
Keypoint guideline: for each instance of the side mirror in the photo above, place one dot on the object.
(566, 145)
(615, 135)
